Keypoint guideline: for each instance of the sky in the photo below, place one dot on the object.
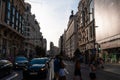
(53, 16)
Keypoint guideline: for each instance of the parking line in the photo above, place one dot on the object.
(12, 77)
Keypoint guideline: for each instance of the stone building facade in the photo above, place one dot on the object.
(99, 32)
(53, 50)
(19, 30)
(11, 27)
(107, 17)
(62, 44)
(33, 36)
(86, 30)
(71, 36)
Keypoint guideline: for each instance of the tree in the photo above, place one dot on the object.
(40, 51)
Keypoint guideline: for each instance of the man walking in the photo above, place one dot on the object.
(56, 67)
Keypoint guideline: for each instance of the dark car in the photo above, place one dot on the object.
(5, 67)
(20, 62)
(37, 68)
(47, 61)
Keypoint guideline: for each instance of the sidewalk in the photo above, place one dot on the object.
(114, 68)
(110, 72)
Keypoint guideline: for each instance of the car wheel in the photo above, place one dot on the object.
(25, 76)
(10, 71)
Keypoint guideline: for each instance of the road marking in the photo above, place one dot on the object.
(65, 63)
(12, 77)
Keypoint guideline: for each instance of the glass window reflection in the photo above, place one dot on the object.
(91, 9)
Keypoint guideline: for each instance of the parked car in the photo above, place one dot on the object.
(37, 68)
(21, 62)
(47, 61)
(5, 67)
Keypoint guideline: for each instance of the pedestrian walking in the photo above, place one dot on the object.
(56, 67)
(62, 72)
(101, 63)
(77, 71)
(92, 73)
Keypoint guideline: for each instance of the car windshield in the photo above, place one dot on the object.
(38, 61)
(20, 58)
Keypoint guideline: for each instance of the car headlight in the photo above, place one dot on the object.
(16, 63)
(42, 69)
(25, 69)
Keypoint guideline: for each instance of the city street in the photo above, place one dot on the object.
(40, 36)
(15, 75)
(110, 72)
(18, 74)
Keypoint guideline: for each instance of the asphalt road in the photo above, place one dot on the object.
(111, 72)
(101, 74)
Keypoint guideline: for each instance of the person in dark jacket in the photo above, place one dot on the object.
(77, 71)
(56, 67)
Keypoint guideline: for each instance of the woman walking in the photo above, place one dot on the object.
(77, 71)
(92, 73)
(62, 73)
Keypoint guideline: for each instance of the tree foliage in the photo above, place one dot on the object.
(40, 51)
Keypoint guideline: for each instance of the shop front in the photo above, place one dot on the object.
(111, 51)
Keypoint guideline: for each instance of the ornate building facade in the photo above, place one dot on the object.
(86, 30)
(107, 17)
(99, 29)
(71, 36)
(33, 36)
(19, 30)
(11, 27)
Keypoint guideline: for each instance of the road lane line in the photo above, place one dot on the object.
(12, 77)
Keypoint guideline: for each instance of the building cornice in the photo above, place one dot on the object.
(13, 30)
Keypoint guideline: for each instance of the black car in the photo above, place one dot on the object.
(5, 67)
(20, 62)
(37, 69)
(47, 61)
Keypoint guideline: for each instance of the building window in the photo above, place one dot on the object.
(13, 11)
(8, 8)
(28, 29)
(13, 16)
(8, 5)
(0, 3)
(16, 23)
(12, 25)
(28, 34)
(91, 31)
(91, 10)
(8, 15)
(8, 21)
(16, 19)
(13, 19)
(28, 9)
(22, 27)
